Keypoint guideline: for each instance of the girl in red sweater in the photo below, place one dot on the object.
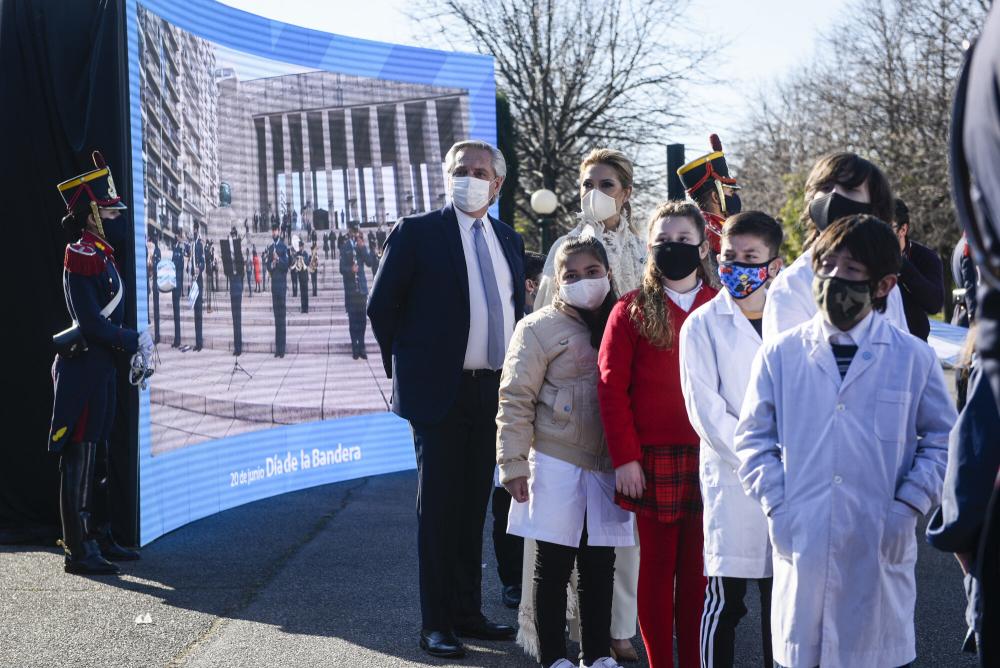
(652, 445)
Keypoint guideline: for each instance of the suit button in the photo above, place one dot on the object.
(840, 407)
(837, 479)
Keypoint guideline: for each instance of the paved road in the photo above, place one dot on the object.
(322, 577)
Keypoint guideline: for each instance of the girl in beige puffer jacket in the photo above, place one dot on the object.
(553, 458)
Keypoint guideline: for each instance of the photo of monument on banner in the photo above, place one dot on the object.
(271, 188)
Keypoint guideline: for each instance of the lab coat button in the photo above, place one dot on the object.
(837, 479)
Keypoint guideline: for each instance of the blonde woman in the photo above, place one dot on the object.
(606, 178)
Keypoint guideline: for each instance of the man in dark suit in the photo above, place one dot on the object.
(155, 258)
(443, 306)
(354, 257)
(921, 278)
(277, 264)
(177, 255)
(199, 270)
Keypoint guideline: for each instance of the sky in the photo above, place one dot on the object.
(759, 41)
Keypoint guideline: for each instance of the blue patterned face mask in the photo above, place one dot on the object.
(741, 279)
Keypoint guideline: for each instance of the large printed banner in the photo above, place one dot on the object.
(269, 163)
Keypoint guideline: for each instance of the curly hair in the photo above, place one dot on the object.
(649, 308)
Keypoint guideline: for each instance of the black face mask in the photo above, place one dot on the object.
(827, 208)
(676, 260)
(733, 204)
(841, 301)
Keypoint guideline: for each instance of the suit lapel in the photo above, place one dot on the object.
(515, 263)
(453, 241)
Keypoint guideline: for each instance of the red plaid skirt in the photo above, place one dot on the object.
(672, 490)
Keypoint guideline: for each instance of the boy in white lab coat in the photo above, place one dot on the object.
(843, 440)
(718, 343)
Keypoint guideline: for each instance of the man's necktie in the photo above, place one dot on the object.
(494, 307)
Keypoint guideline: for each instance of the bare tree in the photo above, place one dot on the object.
(881, 86)
(578, 75)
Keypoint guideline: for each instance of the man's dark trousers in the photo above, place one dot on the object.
(278, 304)
(455, 461)
(236, 304)
(197, 312)
(156, 312)
(175, 298)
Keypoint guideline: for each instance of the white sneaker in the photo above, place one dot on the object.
(603, 662)
(563, 663)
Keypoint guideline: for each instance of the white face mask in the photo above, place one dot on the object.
(470, 194)
(598, 207)
(587, 293)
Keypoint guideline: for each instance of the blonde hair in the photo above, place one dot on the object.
(649, 308)
(623, 167)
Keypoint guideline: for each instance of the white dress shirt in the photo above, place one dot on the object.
(683, 299)
(476, 350)
(855, 336)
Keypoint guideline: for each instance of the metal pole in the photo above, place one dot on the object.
(675, 159)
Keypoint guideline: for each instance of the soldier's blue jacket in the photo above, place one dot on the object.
(279, 253)
(84, 406)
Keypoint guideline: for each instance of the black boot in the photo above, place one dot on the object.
(110, 549)
(83, 556)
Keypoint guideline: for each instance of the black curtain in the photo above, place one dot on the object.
(64, 92)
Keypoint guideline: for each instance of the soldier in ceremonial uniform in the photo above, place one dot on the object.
(314, 266)
(277, 265)
(177, 255)
(199, 271)
(293, 269)
(708, 183)
(354, 257)
(84, 371)
(301, 273)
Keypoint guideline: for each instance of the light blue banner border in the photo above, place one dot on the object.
(185, 485)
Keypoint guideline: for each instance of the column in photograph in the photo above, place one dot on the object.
(360, 130)
(272, 192)
(435, 177)
(308, 191)
(287, 161)
(376, 168)
(328, 204)
(389, 199)
(404, 175)
(353, 195)
(316, 163)
(262, 155)
(337, 144)
(415, 114)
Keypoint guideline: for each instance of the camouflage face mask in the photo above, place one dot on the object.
(842, 302)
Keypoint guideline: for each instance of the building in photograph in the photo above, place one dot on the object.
(180, 126)
(325, 148)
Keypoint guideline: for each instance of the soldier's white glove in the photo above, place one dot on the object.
(146, 344)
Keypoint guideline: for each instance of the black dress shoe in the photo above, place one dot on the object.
(363, 355)
(92, 564)
(442, 644)
(114, 552)
(486, 630)
(511, 596)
